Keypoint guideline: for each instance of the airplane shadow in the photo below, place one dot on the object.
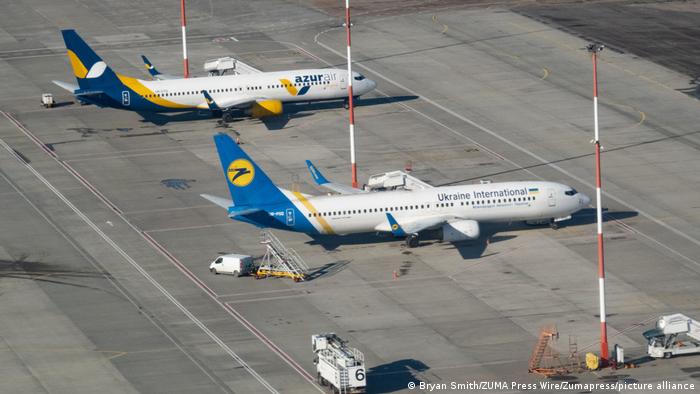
(160, 119)
(333, 242)
(467, 249)
(291, 111)
(336, 104)
(394, 376)
(327, 270)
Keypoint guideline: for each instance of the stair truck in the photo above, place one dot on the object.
(338, 366)
(674, 335)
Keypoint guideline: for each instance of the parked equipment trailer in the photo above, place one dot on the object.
(338, 366)
(674, 335)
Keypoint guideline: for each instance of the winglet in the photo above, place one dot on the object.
(150, 67)
(210, 101)
(316, 174)
(396, 229)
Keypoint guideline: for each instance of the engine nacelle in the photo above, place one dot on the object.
(460, 230)
(261, 109)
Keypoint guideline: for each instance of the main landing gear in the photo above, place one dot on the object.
(412, 240)
(553, 224)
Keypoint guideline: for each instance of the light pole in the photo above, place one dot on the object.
(183, 23)
(351, 108)
(594, 49)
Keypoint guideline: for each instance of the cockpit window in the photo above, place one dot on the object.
(570, 192)
(359, 77)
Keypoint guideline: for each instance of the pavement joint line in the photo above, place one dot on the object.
(166, 209)
(516, 146)
(116, 157)
(166, 229)
(353, 285)
(144, 273)
(92, 262)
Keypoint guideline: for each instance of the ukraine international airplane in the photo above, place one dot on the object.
(258, 94)
(457, 210)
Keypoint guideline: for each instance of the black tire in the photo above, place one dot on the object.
(554, 225)
(215, 271)
(412, 240)
(667, 355)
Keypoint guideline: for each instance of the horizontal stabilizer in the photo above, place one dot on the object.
(220, 201)
(71, 87)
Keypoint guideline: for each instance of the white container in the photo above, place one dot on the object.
(232, 264)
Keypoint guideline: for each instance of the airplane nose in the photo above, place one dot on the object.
(585, 200)
(371, 85)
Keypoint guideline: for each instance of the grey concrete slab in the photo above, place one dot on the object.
(463, 95)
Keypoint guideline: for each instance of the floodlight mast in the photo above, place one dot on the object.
(594, 49)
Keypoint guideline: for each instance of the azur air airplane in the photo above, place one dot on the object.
(258, 94)
(456, 210)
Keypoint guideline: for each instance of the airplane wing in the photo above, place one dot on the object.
(412, 225)
(322, 181)
(71, 87)
(154, 72)
(227, 103)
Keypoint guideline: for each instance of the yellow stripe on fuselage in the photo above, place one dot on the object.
(289, 86)
(140, 89)
(314, 213)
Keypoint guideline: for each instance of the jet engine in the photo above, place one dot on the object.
(460, 230)
(263, 108)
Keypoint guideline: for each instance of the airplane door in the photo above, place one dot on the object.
(551, 197)
(289, 216)
(343, 84)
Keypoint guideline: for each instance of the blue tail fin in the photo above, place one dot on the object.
(248, 184)
(89, 69)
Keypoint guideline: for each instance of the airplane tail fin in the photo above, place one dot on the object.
(89, 69)
(248, 184)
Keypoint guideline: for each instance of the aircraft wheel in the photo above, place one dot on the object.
(412, 240)
(346, 104)
(554, 225)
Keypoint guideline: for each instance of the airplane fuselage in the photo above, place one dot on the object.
(176, 95)
(367, 212)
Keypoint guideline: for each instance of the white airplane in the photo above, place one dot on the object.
(457, 210)
(258, 94)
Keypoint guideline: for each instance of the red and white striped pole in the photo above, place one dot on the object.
(183, 23)
(594, 49)
(351, 108)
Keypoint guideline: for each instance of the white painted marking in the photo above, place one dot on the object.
(234, 38)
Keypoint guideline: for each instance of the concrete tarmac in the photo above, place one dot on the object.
(105, 240)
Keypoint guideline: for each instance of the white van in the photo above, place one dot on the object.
(232, 264)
